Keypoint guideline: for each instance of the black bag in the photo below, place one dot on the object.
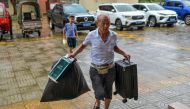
(126, 83)
(70, 85)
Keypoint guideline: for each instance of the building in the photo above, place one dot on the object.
(91, 5)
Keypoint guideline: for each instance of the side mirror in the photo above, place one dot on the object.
(145, 10)
(113, 10)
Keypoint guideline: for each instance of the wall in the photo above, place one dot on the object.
(93, 4)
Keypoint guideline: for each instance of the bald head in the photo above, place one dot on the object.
(103, 23)
(103, 17)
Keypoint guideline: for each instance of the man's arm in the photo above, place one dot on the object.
(78, 50)
(76, 33)
(120, 51)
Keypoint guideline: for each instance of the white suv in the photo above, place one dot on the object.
(123, 15)
(156, 14)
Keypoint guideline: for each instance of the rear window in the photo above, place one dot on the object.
(1, 10)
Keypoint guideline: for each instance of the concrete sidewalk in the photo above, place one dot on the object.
(163, 60)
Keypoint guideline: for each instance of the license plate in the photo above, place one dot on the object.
(86, 24)
(139, 22)
(172, 19)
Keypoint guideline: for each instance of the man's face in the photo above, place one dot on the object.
(104, 24)
(72, 19)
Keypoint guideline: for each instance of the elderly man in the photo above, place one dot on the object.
(103, 43)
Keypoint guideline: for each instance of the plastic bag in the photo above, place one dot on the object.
(64, 42)
(69, 86)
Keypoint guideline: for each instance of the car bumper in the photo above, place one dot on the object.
(31, 29)
(167, 20)
(136, 23)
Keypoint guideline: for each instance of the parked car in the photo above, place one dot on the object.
(181, 7)
(5, 22)
(156, 14)
(59, 16)
(50, 5)
(122, 15)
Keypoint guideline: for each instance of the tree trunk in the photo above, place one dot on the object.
(14, 2)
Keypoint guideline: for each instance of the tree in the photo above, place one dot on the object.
(14, 2)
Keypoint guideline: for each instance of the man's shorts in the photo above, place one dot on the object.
(71, 42)
(102, 83)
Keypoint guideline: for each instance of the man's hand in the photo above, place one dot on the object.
(126, 56)
(71, 55)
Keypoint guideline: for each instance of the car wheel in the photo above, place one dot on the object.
(39, 33)
(11, 28)
(11, 32)
(1, 36)
(140, 28)
(170, 25)
(187, 19)
(118, 24)
(51, 25)
(23, 34)
(152, 22)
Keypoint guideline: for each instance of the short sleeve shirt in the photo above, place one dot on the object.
(101, 52)
(70, 30)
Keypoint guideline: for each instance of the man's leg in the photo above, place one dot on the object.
(97, 86)
(107, 103)
(70, 50)
(109, 79)
(97, 103)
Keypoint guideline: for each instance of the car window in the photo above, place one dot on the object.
(110, 8)
(1, 10)
(102, 8)
(155, 7)
(169, 3)
(74, 9)
(56, 10)
(177, 4)
(106, 8)
(136, 6)
(125, 8)
(187, 3)
(142, 7)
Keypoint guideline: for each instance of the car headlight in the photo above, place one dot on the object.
(127, 17)
(162, 14)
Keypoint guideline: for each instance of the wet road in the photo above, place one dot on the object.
(162, 55)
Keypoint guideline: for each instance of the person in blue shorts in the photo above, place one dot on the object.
(70, 31)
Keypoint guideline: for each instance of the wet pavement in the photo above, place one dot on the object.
(162, 55)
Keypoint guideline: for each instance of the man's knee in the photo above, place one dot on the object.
(100, 94)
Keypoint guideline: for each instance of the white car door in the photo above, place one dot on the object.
(112, 14)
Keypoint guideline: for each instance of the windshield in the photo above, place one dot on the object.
(187, 3)
(125, 8)
(155, 7)
(1, 10)
(74, 9)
